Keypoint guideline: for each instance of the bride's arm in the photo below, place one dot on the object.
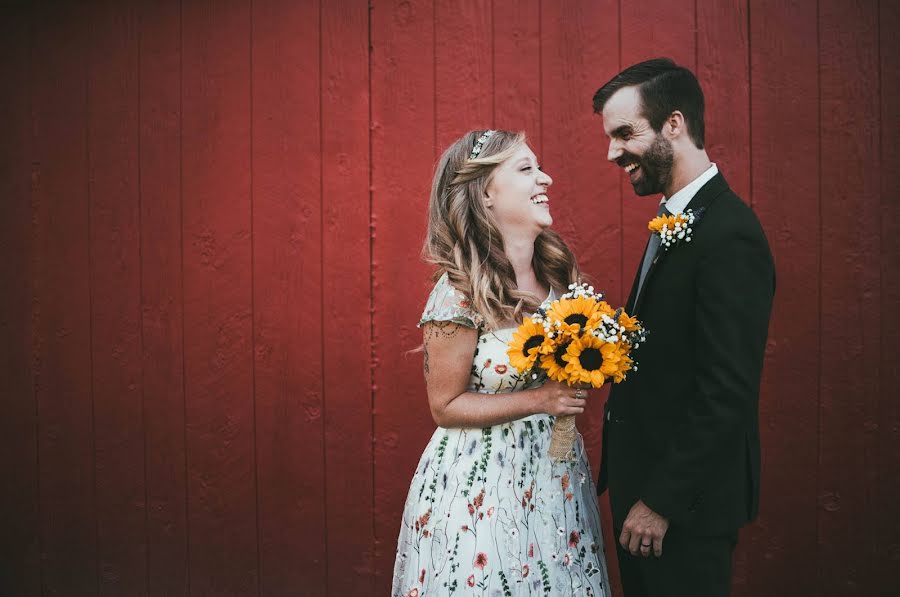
(449, 350)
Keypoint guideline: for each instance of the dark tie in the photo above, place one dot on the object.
(652, 248)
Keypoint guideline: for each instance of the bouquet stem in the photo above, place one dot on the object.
(562, 439)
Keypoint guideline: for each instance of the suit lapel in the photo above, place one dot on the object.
(712, 189)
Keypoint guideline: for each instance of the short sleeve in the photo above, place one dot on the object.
(447, 304)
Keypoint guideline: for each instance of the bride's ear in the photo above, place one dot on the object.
(487, 200)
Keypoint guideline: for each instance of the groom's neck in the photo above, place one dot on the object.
(689, 164)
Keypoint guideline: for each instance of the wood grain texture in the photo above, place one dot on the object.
(463, 69)
(20, 572)
(516, 36)
(61, 305)
(162, 298)
(113, 171)
(216, 162)
(403, 148)
(887, 561)
(723, 68)
(850, 292)
(785, 192)
(287, 305)
(346, 297)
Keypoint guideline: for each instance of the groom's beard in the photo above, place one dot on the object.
(656, 168)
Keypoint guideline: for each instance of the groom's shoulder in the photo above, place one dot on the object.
(731, 216)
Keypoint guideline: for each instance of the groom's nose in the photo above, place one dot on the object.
(615, 150)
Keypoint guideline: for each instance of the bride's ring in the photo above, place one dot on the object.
(580, 393)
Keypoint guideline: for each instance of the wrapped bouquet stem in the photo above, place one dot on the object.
(579, 340)
(562, 439)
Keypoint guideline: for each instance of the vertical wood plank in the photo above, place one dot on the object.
(660, 28)
(162, 298)
(19, 546)
(579, 52)
(723, 68)
(516, 37)
(402, 79)
(216, 179)
(61, 305)
(113, 132)
(888, 545)
(463, 69)
(346, 298)
(850, 248)
(785, 185)
(287, 281)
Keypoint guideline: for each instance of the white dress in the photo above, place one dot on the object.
(488, 512)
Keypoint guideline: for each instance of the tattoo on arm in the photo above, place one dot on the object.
(437, 329)
(441, 329)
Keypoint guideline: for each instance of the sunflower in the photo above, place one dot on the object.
(630, 323)
(528, 341)
(657, 223)
(585, 358)
(554, 363)
(616, 362)
(573, 313)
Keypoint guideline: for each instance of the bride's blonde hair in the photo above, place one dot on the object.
(464, 241)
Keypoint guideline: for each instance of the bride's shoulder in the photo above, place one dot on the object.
(446, 303)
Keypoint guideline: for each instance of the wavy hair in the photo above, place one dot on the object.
(464, 241)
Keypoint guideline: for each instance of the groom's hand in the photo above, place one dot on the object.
(643, 531)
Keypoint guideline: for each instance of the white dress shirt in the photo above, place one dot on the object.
(679, 201)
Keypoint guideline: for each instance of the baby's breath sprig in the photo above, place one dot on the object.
(673, 229)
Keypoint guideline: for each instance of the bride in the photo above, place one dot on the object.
(487, 509)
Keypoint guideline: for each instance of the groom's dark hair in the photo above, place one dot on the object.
(664, 87)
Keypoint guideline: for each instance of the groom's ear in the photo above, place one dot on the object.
(675, 126)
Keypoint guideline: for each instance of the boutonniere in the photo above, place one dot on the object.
(674, 229)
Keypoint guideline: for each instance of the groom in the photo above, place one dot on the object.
(681, 439)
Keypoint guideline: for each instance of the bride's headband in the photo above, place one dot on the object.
(480, 143)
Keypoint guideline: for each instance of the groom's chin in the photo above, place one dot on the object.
(643, 190)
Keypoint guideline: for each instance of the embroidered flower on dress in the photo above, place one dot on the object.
(481, 560)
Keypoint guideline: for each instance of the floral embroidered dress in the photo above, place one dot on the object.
(488, 512)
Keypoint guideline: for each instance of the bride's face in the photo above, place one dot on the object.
(517, 195)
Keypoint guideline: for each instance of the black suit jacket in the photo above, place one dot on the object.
(682, 432)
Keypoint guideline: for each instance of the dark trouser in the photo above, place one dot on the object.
(689, 566)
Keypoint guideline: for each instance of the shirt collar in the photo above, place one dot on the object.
(679, 201)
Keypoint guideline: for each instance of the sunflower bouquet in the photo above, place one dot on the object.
(580, 340)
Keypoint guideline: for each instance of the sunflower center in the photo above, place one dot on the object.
(558, 354)
(577, 318)
(532, 342)
(591, 359)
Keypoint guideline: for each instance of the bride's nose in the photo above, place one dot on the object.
(544, 179)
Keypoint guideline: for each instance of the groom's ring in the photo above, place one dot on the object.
(646, 545)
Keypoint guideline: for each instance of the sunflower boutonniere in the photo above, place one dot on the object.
(673, 229)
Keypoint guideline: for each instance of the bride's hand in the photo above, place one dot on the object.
(558, 399)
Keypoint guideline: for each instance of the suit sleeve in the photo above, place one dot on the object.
(735, 286)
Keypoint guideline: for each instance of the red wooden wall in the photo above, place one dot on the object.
(212, 216)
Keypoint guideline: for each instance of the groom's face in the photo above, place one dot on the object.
(645, 155)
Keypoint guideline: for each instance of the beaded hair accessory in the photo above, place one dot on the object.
(480, 143)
